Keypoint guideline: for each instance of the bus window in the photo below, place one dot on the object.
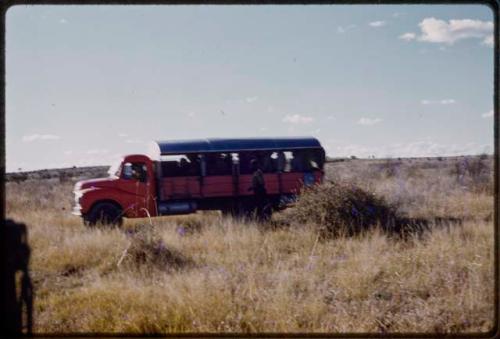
(219, 163)
(135, 171)
(313, 160)
(288, 161)
(297, 162)
(319, 158)
(265, 161)
(181, 165)
(235, 163)
(194, 165)
(245, 158)
(280, 161)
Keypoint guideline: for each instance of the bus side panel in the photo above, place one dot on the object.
(245, 181)
(272, 183)
(292, 182)
(318, 177)
(217, 186)
(270, 179)
(180, 187)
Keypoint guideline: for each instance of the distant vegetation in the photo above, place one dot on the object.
(62, 174)
(330, 264)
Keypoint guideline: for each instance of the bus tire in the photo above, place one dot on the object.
(105, 213)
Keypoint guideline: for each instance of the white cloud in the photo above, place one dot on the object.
(447, 101)
(97, 151)
(69, 152)
(369, 121)
(408, 36)
(488, 41)
(488, 114)
(35, 137)
(440, 31)
(191, 115)
(441, 102)
(330, 117)
(122, 135)
(377, 23)
(343, 29)
(63, 21)
(297, 119)
(251, 99)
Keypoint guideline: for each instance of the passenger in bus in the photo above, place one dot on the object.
(184, 167)
(266, 162)
(211, 161)
(319, 158)
(243, 160)
(228, 163)
(297, 162)
(281, 162)
(194, 164)
(220, 165)
(306, 162)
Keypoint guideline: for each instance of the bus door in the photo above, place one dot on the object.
(135, 182)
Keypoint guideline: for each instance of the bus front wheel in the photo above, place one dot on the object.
(104, 213)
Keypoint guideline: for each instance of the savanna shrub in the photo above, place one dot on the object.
(340, 208)
(147, 249)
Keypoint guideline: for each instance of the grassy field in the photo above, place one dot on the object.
(207, 273)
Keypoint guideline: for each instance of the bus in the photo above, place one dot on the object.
(185, 176)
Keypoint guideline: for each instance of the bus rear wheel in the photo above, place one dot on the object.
(104, 213)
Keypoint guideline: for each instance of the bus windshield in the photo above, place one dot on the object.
(114, 170)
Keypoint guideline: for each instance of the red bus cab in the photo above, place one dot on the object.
(183, 176)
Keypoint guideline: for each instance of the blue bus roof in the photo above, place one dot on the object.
(236, 145)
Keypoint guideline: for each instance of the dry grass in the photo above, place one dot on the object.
(206, 273)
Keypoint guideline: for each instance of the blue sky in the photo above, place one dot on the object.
(86, 84)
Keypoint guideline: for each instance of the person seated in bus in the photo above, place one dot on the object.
(139, 172)
(319, 158)
(184, 167)
(307, 165)
(315, 160)
(297, 162)
(242, 159)
(313, 165)
(220, 165)
(281, 162)
(228, 163)
(245, 158)
(170, 168)
(266, 162)
(211, 161)
(194, 164)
